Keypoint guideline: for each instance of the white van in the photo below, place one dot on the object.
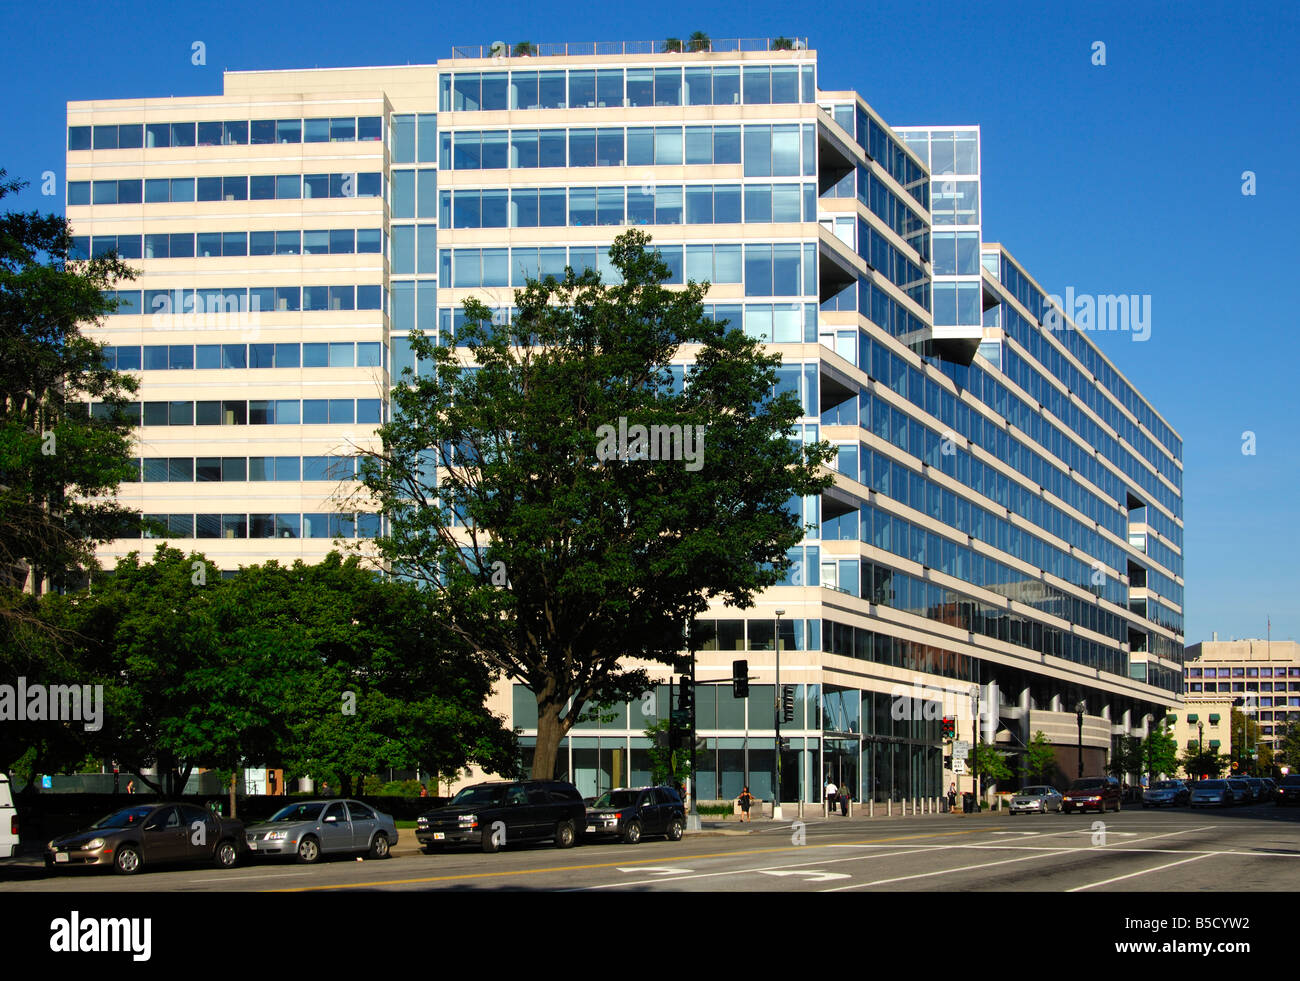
(8, 819)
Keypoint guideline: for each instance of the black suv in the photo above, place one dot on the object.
(1288, 791)
(493, 815)
(633, 814)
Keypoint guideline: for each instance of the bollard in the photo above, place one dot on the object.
(890, 807)
(871, 807)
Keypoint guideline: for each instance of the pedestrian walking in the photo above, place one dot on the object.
(424, 791)
(846, 795)
(831, 792)
(952, 797)
(745, 799)
(130, 786)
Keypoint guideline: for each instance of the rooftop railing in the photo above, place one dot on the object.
(527, 49)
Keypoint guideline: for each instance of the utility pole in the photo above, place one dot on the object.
(778, 708)
(1078, 709)
(693, 817)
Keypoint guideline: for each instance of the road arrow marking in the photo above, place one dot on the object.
(657, 870)
(813, 875)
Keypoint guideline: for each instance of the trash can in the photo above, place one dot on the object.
(943, 805)
(967, 802)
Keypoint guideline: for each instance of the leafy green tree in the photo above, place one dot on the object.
(1126, 757)
(560, 551)
(1196, 763)
(667, 765)
(1251, 753)
(699, 41)
(59, 465)
(1288, 747)
(1159, 752)
(990, 764)
(1038, 762)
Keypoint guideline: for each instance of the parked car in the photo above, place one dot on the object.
(1211, 793)
(151, 834)
(1036, 800)
(494, 815)
(636, 813)
(8, 819)
(1090, 793)
(1288, 791)
(1258, 790)
(1270, 788)
(310, 829)
(1241, 792)
(1167, 793)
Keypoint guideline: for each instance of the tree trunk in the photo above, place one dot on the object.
(549, 733)
(346, 788)
(232, 796)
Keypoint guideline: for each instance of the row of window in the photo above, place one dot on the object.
(259, 187)
(236, 132)
(595, 88)
(240, 469)
(663, 204)
(192, 245)
(317, 525)
(898, 590)
(248, 412)
(1246, 686)
(946, 151)
(239, 300)
(910, 435)
(902, 217)
(1288, 672)
(768, 151)
(1035, 341)
(207, 357)
(881, 146)
(1019, 370)
(784, 269)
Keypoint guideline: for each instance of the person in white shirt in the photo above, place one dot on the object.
(831, 792)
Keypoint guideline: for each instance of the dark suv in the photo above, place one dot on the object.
(493, 815)
(1288, 791)
(633, 814)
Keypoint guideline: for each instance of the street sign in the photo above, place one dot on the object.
(958, 766)
(961, 748)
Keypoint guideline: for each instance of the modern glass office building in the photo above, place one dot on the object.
(1007, 511)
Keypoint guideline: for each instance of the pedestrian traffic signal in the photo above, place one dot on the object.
(785, 742)
(740, 679)
(949, 728)
(787, 703)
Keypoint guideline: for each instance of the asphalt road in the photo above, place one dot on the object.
(1245, 849)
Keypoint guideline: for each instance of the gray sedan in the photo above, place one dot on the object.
(310, 829)
(1036, 800)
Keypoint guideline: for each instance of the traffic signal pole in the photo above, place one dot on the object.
(778, 709)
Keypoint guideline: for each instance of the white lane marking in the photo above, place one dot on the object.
(964, 868)
(1130, 875)
(656, 869)
(810, 861)
(814, 875)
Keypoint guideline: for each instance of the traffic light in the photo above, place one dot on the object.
(686, 698)
(949, 728)
(785, 742)
(740, 679)
(787, 703)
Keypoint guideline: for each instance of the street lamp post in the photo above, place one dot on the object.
(779, 707)
(1200, 735)
(1078, 711)
(692, 818)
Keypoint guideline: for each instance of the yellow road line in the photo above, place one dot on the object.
(657, 860)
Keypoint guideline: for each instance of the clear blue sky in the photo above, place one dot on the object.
(1117, 179)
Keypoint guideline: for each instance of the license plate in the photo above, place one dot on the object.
(439, 835)
(60, 856)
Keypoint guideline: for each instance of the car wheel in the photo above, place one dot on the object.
(675, 829)
(379, 847)
(127, 860)
(308, 850)
(565, 835)
(490, 843)
(226, 854)
(632, 833)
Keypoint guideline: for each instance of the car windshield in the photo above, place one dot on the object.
(1088, 785)
(1165, 785)
(126, 817)
(617, 798)
(1036, 791)
(1291, 781)
(478, 796)
(299, 812)
(1211, 785)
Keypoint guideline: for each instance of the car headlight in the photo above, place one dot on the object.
(422, 822)
(93, 844)
(470, 819)
(276, 835)
(50, 845)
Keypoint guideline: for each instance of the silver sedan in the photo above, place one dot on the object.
(310, 829)
(1036, 800)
